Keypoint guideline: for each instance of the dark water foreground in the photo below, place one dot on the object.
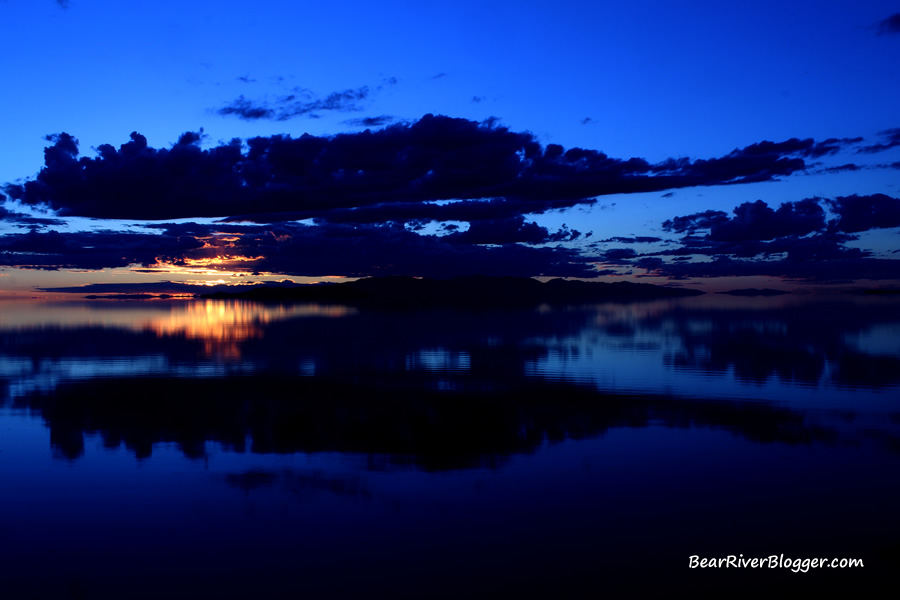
(217, 448)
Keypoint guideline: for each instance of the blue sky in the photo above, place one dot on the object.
(653, 80)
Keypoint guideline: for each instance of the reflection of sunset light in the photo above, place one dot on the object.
(222, 325)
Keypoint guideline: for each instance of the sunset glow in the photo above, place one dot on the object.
(288, 187)
(448, 299)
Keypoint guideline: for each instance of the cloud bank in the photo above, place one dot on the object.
(795, 241)
(437, 197)
(435, 158)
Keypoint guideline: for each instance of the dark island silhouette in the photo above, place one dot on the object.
(474, 291)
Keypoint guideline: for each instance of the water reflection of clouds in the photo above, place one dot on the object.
(300, 483)
(438, 359)
(27, 378)
(881, 339)
(807, 350)
(795, 355)
(724, 347)
(432, 429)
(46, 344)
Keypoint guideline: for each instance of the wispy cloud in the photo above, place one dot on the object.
(300, 103)
(379, 121)
(53, 250)
(890, 25)
(891, 139)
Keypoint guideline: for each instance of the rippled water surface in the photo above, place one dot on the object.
(211, 448)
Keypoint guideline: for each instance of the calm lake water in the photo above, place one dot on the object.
(210, 448)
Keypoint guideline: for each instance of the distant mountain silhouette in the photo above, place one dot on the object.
(755, 292)
(472, 292)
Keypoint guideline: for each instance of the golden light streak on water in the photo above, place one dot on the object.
(222, 325)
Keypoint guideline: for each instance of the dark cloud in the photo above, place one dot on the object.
(300, 103)
(861, 213)
(754, 221)
(891, 25)
(435, 158)
(359, 251)
(346, 100)
(756, 154)
(406, 212)
(650, 263)
(847, 270)
(633, 240)
(505, 231)
(64, 146)
(830, 146)
(619, 255)
(24, 220)
(822, 246)
(135, 174)
(891, 139)
(794, 241)
(379, 121)
(63, 3)
(53, 250)
(756, 230)
(369, 196)
(849, 167)
(690, 223)
(508, 231)
(247, 110)
(307, 250)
